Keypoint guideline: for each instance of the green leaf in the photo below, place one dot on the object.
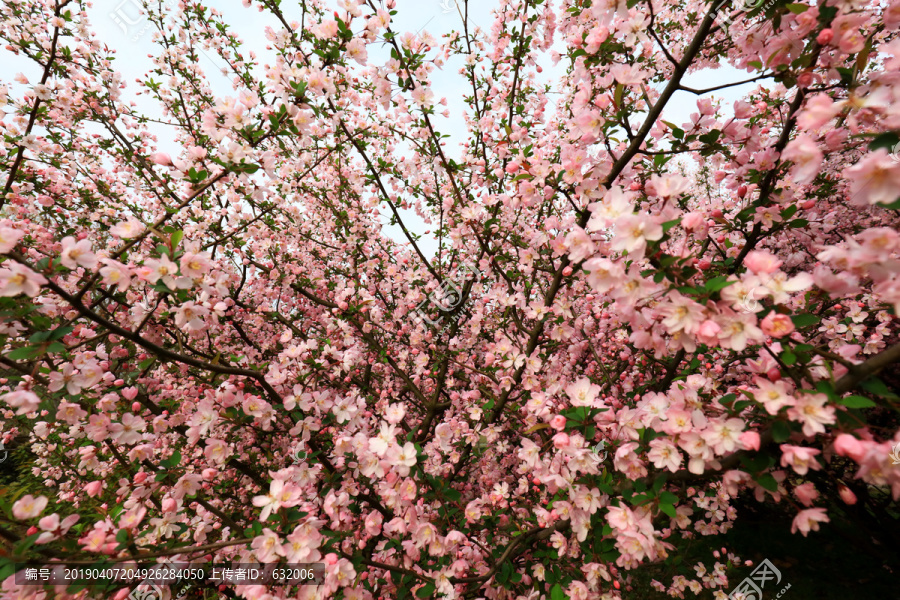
(452, 495)
(781, 431)
(878, 387)
(659, 482)
(668, 509)
(885, 140)
(668, 498)
(557, 593)
(767, 481)
(425, 591)
(804, 320)
(670, 224)
(797, 8)
(717, 283)
(857, 402)
(176, 238)
(25, 353)
(60, 332)
(788, 357)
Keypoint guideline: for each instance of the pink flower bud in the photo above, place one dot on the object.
(135, 407)
(761, 262)
(140, 477)
(209, 474)
(847, 494)
(774, 374)
(560, 440)
(130, 393)
(31, 530)
(161, 158)
(558, 422)
(93, 488)
(331, 558)
(825, 36)
(847, 445)
(169, 505)
(750, 440)
(777, 325)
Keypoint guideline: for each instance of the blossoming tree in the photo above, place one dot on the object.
(219, 353)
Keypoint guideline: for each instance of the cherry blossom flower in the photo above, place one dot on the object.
(800, 458)
(77, 254)
(18, 279)
(808, 520)
(127, 229)
(810, 410)
(28, 507)
(9, 237)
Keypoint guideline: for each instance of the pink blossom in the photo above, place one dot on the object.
(18, 279)
(9, 237)
(800, 458)
(128, 431)
(875, 179)
(808, 520)
(668, 185)
(761, 262)
(195, 265)
(847, 445)
(772, 395)
(77, 254)
(561, 440)
(115, 273)
(267, 546)
(127, 229)
(24, 400)
(93, 488)
(810, 410)
(582, 392)
(818, 110)
(806, 493)
(749, 440)
(777, 325)
(28, 507)
(846, 494)
(326, 30)
(579, 245)
(161, 158)
(806, 156)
